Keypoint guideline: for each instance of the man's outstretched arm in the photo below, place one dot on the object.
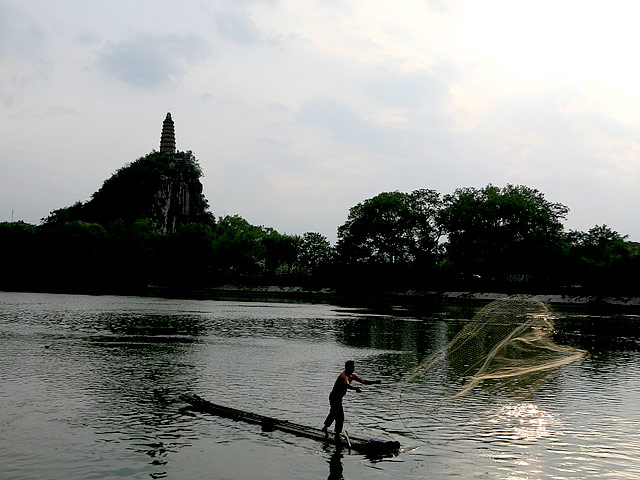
(364, 381)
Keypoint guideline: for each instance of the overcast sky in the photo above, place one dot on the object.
(297, 110)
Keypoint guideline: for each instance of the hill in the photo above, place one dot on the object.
(163, 188)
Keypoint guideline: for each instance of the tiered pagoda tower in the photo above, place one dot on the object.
(168, 138)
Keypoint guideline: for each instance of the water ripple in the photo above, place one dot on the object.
(91, 385)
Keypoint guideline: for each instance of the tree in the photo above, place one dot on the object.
(136, 258)
(392, 228)
(237, 246)
(279, 250)
(18, 242)
(496, 232)
(73, 255)
(600, 258)
(163, 188)
(188, 254)
(315, 250)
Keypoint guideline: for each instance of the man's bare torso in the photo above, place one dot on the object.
(342, 384)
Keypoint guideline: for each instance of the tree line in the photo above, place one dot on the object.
(508, 238)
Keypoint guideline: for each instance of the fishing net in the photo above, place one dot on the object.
(507, 346)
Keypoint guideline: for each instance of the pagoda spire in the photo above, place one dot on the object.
(168, 138)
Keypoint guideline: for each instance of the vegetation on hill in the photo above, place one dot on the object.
(160, 187)
(137, 231)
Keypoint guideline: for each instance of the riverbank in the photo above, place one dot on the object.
(327, 295)
(390, 299)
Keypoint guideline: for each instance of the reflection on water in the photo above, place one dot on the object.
(90, 389)
(335, 464)
(522, 422)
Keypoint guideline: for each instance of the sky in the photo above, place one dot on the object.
(297, 110)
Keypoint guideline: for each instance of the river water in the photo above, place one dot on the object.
(90, 385)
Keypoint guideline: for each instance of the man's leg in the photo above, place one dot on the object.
(329, 420)
(331, 417)
(339, 416)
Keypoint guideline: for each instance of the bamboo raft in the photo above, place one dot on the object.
(372, 447)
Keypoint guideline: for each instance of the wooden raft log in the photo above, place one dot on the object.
(360, 445)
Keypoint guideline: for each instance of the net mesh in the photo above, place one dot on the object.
(507, 345)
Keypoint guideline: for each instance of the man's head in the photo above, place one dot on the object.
(349, 366)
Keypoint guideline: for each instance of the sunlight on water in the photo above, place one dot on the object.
(523, 422)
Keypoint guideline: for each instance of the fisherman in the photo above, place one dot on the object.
(343, 383)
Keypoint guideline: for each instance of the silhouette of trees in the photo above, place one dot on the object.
(237, 246)
(280, 251)
(314, 250)
(73, 254)
(497, 232)
(143, 189)
(473, 238)
(18, 244)
(601, 259)
(135, 255)
(187, 255)
(392, 228)
(242, 249)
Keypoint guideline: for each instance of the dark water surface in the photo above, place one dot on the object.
(89, 388)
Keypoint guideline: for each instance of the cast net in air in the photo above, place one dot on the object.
(507, 346)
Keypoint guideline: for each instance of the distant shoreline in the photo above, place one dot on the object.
(393, 299)
(273, 292)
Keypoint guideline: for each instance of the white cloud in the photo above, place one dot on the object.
(408, 90)
(236, 23)
(299, 109)
(20, 35)
(151, 60)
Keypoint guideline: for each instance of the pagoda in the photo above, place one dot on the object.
(168, 138)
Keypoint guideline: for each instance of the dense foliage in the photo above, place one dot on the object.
(392, 227)
(496, 232)
(491, 238)
(132, 192)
